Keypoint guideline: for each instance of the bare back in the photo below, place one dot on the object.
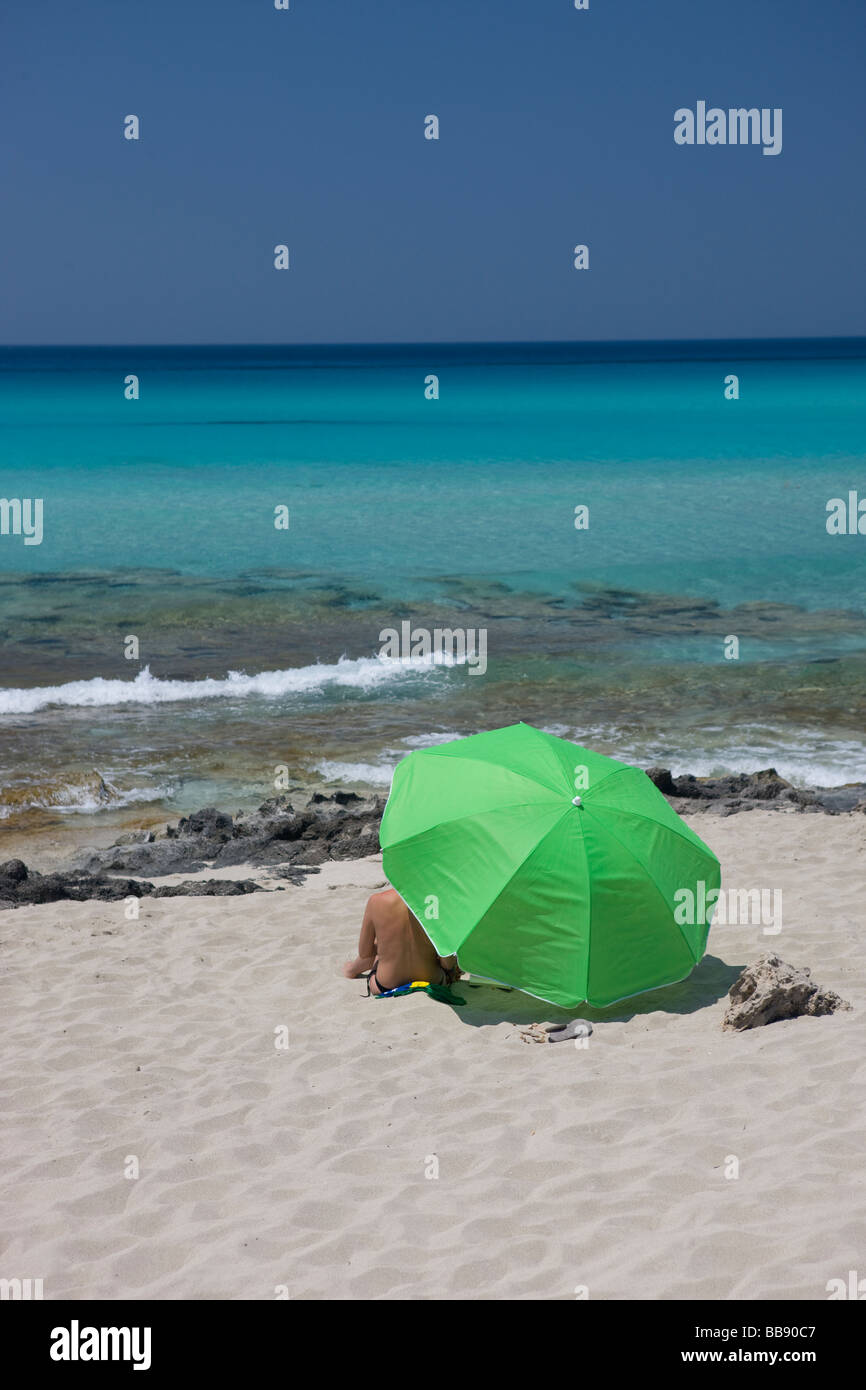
(405, 951)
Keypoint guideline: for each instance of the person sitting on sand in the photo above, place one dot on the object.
(395, 948)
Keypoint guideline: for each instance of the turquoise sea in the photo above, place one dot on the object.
(258, 647)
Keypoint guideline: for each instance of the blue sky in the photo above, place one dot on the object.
(260, 127)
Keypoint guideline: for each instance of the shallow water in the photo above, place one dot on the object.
(707, 519)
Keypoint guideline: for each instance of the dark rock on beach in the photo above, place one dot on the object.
(208, 888)
(20, 885)
(294, 876)
(663, 780)
(743, 791)
(210, 823)
(276, 835)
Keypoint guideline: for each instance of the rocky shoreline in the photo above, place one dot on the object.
(290, 843)
(743, 791)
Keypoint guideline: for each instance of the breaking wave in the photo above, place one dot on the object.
(361, 673)
(87, 791)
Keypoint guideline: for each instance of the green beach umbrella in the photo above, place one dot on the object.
(547, 867)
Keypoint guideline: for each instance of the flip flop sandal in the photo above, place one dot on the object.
(563, 1032)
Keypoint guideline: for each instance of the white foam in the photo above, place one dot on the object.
(429, 740)
(362, 673)
(371, 774)
(828, 763)
(70, 798)
(804, 757)
(850, 766)
(379, 774)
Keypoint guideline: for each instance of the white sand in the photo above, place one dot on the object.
(305, 1167)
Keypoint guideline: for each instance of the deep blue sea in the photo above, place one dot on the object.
(258, 646)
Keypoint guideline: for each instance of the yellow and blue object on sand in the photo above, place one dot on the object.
(440, 992)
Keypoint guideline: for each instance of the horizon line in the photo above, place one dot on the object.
(439, 342)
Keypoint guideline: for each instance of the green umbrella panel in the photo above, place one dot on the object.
(547, 866)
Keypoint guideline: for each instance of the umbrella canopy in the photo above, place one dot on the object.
(547, 866)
